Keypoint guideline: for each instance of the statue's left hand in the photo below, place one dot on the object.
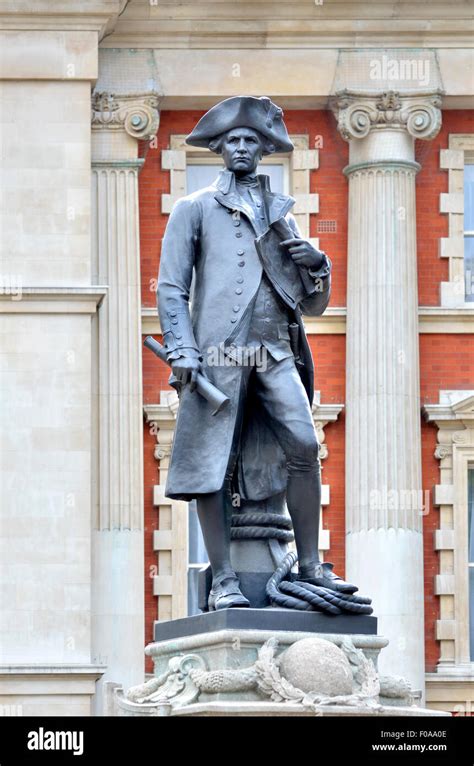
(303, 252)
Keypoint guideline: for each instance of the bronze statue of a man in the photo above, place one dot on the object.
(252, 276)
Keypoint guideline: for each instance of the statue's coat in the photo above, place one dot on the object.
(201, 239)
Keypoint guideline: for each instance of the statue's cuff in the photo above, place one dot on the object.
(178, 334)
(185, 352)
(324, 270)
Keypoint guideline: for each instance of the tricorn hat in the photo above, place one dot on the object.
(243, 112)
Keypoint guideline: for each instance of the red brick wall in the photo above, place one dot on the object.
(446, 362)
(431, 181)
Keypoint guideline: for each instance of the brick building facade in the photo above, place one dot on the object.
(382, 175)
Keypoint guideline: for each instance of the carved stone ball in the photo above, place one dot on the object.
(317, 665)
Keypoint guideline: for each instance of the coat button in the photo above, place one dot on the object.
(238, 234)
(178, 335)
(234, 319)
(236, 223)
(174, 321)
(239, 280)
(179, 343)
(240, 252)
(258, 204)
(172, 313)
(241, 263)
(236, 308)
(239, 291)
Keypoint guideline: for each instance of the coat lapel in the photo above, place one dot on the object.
(226, 194)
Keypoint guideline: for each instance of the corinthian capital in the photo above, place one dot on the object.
(358, 113)
(138, 114)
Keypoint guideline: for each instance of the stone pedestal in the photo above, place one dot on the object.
(262, 662)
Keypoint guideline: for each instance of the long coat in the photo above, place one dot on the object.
(209, 244)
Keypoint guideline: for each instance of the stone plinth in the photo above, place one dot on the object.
(253, 662)
(271, 620)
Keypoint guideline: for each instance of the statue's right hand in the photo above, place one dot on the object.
(186, 369)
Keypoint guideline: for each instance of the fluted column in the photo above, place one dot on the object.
(118, 603)
(384, 498)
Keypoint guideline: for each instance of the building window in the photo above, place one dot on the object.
(458, 204)
(469, 230)
(470, 510)
(197, 558)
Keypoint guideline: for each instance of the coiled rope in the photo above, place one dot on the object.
(305, 596)
(261, 526)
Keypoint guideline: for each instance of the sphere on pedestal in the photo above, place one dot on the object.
(317, 665)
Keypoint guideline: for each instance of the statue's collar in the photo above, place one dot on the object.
(226, 182)
(227, 194)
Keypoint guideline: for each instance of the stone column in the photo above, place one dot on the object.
(384, 499)
(118, 593)
(47, 304)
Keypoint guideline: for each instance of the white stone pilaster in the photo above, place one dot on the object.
(454, 418)
(170, 541)
(384, 499)
(118, 570)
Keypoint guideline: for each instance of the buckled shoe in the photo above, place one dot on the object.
(326, 578)
(226, 594)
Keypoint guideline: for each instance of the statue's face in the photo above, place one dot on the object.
(242, 150)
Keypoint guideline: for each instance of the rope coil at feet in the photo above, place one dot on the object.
(283, 590)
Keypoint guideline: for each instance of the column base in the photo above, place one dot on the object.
(387, 564)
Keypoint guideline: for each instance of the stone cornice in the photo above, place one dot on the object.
(66, 15)
(52, 300)
(432, 319)
(340, 23)
(359, 112)
(54, 670)
(461, 411)
(137, 114)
